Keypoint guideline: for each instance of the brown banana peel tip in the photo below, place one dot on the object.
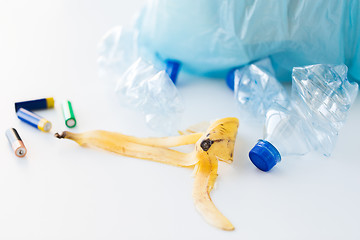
(60, 136)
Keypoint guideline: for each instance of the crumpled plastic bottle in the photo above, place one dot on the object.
(151, 91)
(320, 101)
(256, 89)
(143, 81)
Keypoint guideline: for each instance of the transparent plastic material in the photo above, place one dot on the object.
(213, 37)
(117, 51)
(151, 91)
(287, 131)
(322, 95)
(321, 98)
(139, 79)
(256, 89)
(320, 102)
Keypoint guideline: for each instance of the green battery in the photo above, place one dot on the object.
(68, 114)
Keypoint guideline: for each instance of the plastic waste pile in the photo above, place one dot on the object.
(319, 104)
(144, 61)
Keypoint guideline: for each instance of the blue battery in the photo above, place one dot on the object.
(34, 120)
(36, 104)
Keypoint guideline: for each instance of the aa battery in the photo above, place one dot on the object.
(34, 120)
(16, 142)
(37, 104)
(68, 114)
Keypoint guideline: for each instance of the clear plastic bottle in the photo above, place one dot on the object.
(151, 91)
(256, 89)
(320, 102)
(143, 81)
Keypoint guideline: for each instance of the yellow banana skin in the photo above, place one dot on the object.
(145, 148)
(217, 143)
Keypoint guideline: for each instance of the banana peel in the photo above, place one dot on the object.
(217, 143)
(154, 149)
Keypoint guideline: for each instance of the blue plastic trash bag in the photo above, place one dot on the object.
(212, 37)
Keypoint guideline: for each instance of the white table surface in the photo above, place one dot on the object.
(63, 191)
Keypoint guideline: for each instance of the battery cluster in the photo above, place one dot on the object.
(24, 111)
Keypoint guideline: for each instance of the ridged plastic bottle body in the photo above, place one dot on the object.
(322, 95)
(256, 89)
(321, 98)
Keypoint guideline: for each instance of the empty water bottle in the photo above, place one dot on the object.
(320, 101)
(256, 89)
(143, 81)
(151, 91)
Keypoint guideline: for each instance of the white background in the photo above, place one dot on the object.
(63, 191)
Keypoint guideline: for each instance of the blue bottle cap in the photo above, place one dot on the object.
(172, 69)
(264, 155)
(230, 79)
